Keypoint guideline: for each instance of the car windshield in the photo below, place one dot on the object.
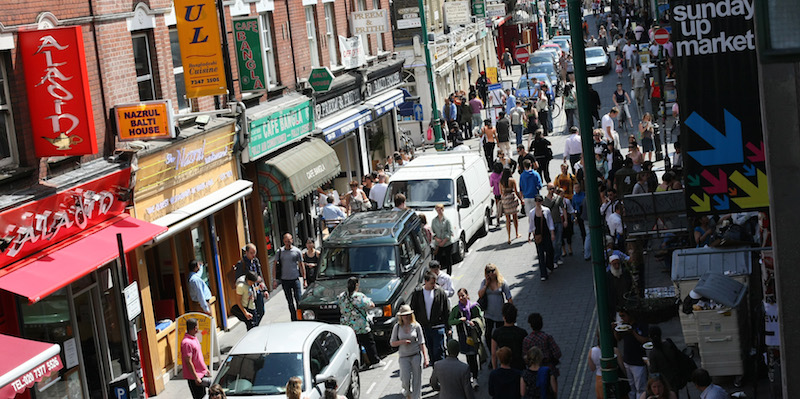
(421, 193)
(525, 84)
(594, 52)
(349, 261)
(541, 68)
(259, 374)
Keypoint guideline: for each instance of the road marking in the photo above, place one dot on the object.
(388, 363)
(580, 370)
(370, 388)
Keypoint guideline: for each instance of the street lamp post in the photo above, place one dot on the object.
(596, 234)
(436, 122)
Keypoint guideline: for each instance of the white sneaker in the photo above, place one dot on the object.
(560, 262)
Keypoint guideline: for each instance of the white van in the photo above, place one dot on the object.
(457, 179)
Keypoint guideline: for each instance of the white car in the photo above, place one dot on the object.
(261, 363)
(597, 61)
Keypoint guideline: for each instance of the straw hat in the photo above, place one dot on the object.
(404, 310)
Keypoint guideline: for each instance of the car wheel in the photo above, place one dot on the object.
(462, 249)
(354, 391)
(487, 220)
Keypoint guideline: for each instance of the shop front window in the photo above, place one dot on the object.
(49, 321)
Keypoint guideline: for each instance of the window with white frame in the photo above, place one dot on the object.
(376, 4)
(145, 78)
(269, 50)
(311, 32)
(177, 69)
(330, 32)
(362, 6)
(8, 146)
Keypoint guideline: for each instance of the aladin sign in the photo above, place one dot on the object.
(57, 86)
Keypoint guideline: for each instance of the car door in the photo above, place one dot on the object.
(338, 360)
(465, 213)
(411, 267)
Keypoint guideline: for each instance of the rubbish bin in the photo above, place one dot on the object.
(124, 387)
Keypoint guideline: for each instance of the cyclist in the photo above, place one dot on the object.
(621, 100)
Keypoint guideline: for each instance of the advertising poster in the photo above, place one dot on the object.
(718, 96)
(201, 51)
(207, 334)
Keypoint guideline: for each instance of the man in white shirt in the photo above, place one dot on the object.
(517, 115)
(332, 214)
(443, 280)
(615, 222)
(628, 51)
(609, 132)
(378, 191)
(639, 84)
(708, 390)
(572, 147)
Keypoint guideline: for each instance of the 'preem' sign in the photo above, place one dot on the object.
(145, 121)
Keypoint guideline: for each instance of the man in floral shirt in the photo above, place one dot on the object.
(353, 306)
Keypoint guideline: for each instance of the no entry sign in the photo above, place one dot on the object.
(521, 54)
(661, 36)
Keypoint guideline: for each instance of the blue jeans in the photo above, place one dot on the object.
(557, 243)
(587, 245)
(292, 290)
(434, 341)
(518, 132)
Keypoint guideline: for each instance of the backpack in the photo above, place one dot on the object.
(684, 364)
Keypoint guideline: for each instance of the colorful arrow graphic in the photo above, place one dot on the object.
(727, 148)
(749, 170)
(693, 180)
(723, 202)
(703, 204)
(718, 185)
(758, 152)
(757, 194)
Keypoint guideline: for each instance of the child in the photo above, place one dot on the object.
(618, 68)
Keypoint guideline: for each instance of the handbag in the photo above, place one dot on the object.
(537, 238)
(369, 317)
(483, 302)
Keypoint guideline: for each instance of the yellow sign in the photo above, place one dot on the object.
(206, 335)
(201, 51)
(144, 121)
(491, 74)
(184, 172)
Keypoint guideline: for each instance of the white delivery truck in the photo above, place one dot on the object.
(457, 179)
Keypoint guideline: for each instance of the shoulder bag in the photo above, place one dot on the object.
(537, 237)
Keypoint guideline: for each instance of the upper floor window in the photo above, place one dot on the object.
(269, 50)
(145, 78)
(330, 32)
(376, 4)
(311, 32)
(177, 69)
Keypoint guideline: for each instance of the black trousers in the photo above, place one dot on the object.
(198, 391)
(445, 257)
(488, 150)
(368, 342)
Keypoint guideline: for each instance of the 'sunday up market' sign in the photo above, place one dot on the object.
(57, 86)
(724, 164)
(201, 51)
(249, 53)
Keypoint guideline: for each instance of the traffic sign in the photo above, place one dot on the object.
(563, 3)
(522, 56)
(661, 36)
(320, 79)
(418, 114)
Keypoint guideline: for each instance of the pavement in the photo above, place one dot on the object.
(566, 301)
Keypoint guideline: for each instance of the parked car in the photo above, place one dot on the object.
(563, 43)
(553, 46)
(386, 249)
(549, 51)
(457, 180)
(597, 61)
(261, 363)
(547, 70)
(542, 58)
(525, 87)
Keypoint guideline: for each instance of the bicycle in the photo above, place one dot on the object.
(624, 115)
(406, 142)
(555, 109)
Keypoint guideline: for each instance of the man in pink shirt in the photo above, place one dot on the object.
(194, 366)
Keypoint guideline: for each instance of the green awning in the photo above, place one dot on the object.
(298, 171)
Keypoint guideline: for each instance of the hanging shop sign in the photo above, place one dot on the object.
(479, 8)
(352, 52)
(280, 128)
(206, 335)
(149, 120)
(406, 22)
(57, 86)
(201, 51)
(184, 172)
(249, 53)
(372, 21)
(724, 164)
(36, 225)
(457, 13)
(495, 10)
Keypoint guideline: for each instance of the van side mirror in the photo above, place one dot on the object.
(463, 202)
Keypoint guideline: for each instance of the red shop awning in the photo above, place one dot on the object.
(24, 362)
(52, 271)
